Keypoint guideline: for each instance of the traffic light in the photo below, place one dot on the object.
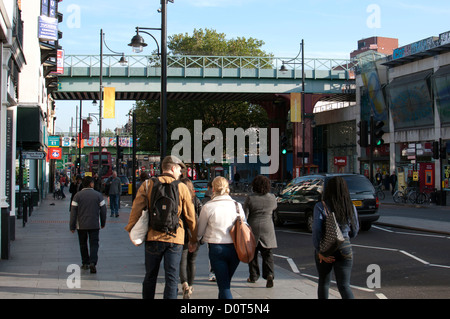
(363, 133)
(443, 150)
(283, 144)
(378, 134)
(120, 152)
(436, 150)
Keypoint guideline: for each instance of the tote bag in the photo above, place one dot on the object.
(138, 233)
(243, 239)
(332, 237)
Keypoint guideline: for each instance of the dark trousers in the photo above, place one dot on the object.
(267, 263)
(187, 266)
(342, 270)
(91, 235)
(155, 251)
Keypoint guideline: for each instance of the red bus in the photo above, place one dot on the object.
(106, 163)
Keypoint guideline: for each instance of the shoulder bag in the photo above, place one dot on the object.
(332, 237)
(243, 238)
(138, 233)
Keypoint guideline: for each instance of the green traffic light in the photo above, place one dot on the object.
(284, 152)
(380, 142)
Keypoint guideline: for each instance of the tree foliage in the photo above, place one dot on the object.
(219, 114)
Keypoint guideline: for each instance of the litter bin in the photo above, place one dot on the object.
(441, 198)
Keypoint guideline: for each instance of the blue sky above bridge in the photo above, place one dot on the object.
(330, 29)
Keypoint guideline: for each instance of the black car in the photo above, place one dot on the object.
(297, 200)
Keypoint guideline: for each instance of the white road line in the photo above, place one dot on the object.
(293, 266)
(381, 296)
(414, 257)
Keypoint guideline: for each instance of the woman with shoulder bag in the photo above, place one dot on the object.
(215, 222)
(258, 208)
(337, 199)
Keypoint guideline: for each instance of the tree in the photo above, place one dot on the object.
(220, 114)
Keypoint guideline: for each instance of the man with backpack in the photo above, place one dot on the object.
(171, 214)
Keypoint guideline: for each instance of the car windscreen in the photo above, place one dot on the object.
(358, 184)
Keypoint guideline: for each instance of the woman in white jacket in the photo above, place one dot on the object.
(215, 222)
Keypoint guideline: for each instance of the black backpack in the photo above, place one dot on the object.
(164, 207)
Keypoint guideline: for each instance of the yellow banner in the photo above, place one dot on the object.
(296, 107)
(109, 110)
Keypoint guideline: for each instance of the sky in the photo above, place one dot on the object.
(330, 29)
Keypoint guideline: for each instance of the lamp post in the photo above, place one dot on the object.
(137, 43)
(283, 69)
(122, 62)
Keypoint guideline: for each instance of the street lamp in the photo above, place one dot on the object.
(283, 69)
(122, 62)
(137, 43)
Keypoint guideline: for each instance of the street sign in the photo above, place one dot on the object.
(34, 155)
(55, 153)
(53, 141)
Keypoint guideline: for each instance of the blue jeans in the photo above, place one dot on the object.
(154, 253)
(342, 270)
(224, 261)
(114, 204)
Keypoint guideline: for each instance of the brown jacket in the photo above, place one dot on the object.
(185, 206)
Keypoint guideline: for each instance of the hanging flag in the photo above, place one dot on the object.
(296, 107)
(85, 130)
(109, 99)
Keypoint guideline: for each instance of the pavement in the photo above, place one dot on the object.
(45, 258)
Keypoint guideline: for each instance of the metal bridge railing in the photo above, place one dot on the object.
(312, 65)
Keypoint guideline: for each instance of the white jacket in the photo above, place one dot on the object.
(216, 219)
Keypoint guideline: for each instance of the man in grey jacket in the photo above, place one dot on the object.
(87, 215)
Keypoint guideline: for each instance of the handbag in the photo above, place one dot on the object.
(332, 237)
(138, 233)
(243, 238)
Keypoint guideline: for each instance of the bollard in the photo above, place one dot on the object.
(24, 210)
(30, 205)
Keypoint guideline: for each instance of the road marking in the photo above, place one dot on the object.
(290, 262)
(414, 257)
(381, 296)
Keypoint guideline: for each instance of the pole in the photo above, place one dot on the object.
(79, 138)
(133, 165)
(303, 108)
(372, 146)
(163, 106)
(100, 109)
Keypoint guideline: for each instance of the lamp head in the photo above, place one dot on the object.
(137, 43)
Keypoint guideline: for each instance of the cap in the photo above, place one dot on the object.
(172, 160)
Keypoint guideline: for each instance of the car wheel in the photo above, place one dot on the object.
(276, 218)
(309, 221)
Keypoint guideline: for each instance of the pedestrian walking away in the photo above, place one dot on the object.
(216, 219)
(115, 189)
(337, 198)
(75, 186)
(87, 216)
(161, 244)
(258, 208)
(188, 259)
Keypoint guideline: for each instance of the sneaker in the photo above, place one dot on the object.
(85, 266)
(269, 283)
(212, 276)
(93, 268)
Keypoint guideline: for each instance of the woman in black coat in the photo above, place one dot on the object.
(258, 208)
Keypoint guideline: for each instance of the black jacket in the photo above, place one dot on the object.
(88, 210)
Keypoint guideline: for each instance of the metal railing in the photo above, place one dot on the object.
(312, 65)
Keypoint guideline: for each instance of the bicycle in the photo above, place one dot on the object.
(379, 192)
(416, 197)
(429, 195)
(401, 196)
